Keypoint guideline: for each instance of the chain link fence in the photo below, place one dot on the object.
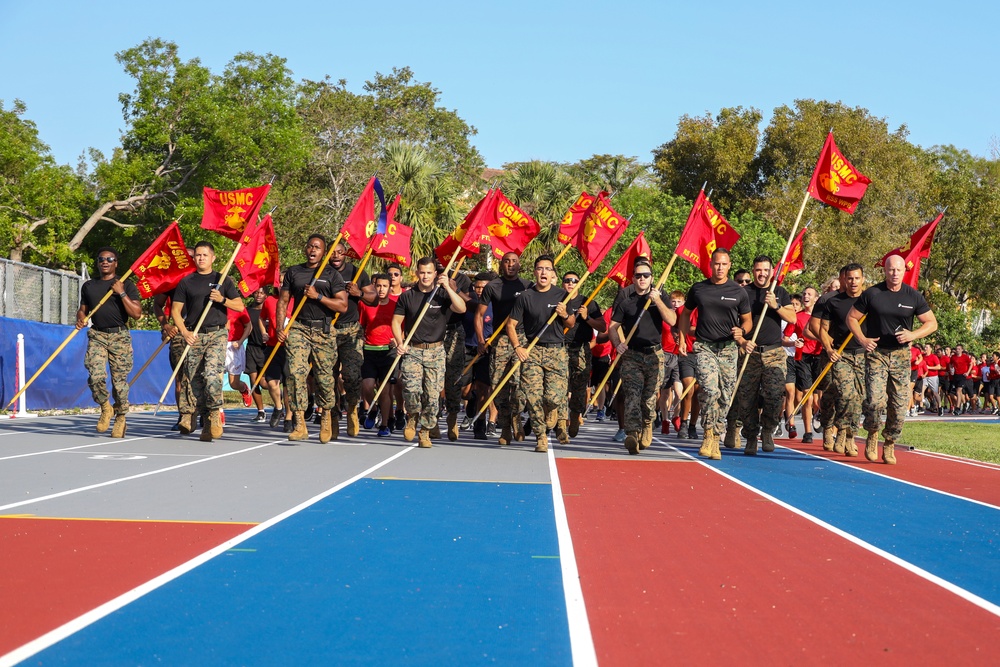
(34, 293)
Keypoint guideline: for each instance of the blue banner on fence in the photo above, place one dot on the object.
(63, 384)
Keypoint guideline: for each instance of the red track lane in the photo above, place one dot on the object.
(682, 566)
(57, 569)
(977, 482)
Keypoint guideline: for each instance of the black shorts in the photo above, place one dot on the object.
(806, 371)
(993, 388)
(377, 363)
(598, 369)
(918, 386)
(960, 382)
(913, 375)
(790, 371)
(480, 369)
(686, 366)
(671, 370)
(256, 356)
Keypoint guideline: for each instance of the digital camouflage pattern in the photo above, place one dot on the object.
(843, 390)
(502, 357)
(642, 375)
(186, 403)
(887, 387)
(114, 350)
(308, 345)
(454, 355)
(761, 392)
(422, 371)
(580, 363)
(350, 353)
(545, 381)
(204, 365)
(716, 373)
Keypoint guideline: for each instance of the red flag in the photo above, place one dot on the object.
(228, 212)
(794, 261)
(918, 248)
(704, 231)
(471, 233)
(257, 259)
(835, 181)
(361, 223)
(600, 229)
(569, 228)
(621, 273)
(394, 245)
(164, 263)
(510, 228)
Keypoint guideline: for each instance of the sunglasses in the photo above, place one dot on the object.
(571, 280)
(745, 281)
(643, 275)
(107, 260)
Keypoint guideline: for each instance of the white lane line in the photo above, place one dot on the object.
(48, 639)
(906, 565)
(70, 449)
(956, 459)
(580, 639)
(148, 473)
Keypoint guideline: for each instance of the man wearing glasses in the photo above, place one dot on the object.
(642, 355)
(588, 320)
(544, 372)
(109, 342)
(724, 328)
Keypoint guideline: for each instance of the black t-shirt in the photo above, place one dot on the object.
(112, 313)
(502, 293)
(888, 311)
(463, 285)
(347, 273)
(256, 337)
(330, 283)
(819, 308)
(628, 311)
(835, 311)
(770, 330)
(435, 322)
(622, 294)
(533, 309)
(582, 333)
(193, 291)
(719, 309)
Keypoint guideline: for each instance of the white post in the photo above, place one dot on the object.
(21, 410)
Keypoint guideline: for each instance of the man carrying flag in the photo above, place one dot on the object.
(589, 319)
(891, 307)
(109, 341)
(349, 337)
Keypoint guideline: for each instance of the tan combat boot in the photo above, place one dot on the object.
(562, 432)
(871, 446)
(425, 439)
(542, 443)
(300, 432)
(646, 439)
(632, 442)
(325, 427)
(506, 436)
(840, 442)
(453, 426)
(889, 452)
(119, 430)
(185, 424)
(850, 446)
(410, 430)
(716, 454)
(104, 421)
(706, 443)
(767, 440)
(829, 438)
(551, 418)
(206, 429)
(517, 428)
(353, 424)
(732, 437)
(215, 421)
(574, 424)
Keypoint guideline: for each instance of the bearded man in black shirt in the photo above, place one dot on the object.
(206, 359)
(109, 341)
(891, 307)
(724, 327)
(544, 371)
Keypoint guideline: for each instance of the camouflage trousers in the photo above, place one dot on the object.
(716, 374)
(887, 387)
(641, 378)
(204, 365)
(843, 388)
(508, 401)
(454, 362)
(761, 393)
(422, 371)
(544, 378)
(308, 345)
(580, 364)
(114, 350)
(350, 353)
(186, 403)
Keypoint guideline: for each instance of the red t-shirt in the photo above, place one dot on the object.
(914, 355)
(667, 339)
(377, 321)
(600, 350)
(267, 315)
(961, 362)
(689, 341)
(811, 346)
(932, 360)
(238, 322)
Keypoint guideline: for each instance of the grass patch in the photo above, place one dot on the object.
(979, 440)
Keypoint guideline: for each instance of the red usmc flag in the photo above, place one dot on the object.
(569, 228)
(835, 181)
(794, 261)
(164, 263)
(257, 259)
(471, 233)
(360, 224)
(228, 212)
(394, 245)
(510, 228)
(601, 228)
(918, 248)
(705, 231)
(621, 273)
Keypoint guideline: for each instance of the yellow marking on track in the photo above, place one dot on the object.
(87, 518)
(545, 556)
(472, 481)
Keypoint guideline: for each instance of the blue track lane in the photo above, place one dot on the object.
(955, 539)
(383, 572)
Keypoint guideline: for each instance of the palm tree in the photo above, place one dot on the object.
(544, 191)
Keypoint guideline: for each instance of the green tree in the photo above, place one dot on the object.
(545, 191)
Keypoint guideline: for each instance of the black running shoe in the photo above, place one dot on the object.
(289, 425)
(275, 418)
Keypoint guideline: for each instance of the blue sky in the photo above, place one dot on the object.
(539, 80)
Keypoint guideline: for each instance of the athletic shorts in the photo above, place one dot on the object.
(805, 371)
(686, 366)
(480, 369)
(256, 356)
(278, 368)
(790, 371)
(993, 388)
(671, 371)
(377, 363)
(236, 359)
(913, 375)
(598, 369)
(960, 382)
(918, 386)
(931, 383)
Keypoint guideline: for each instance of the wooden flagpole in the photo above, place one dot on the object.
(150, 360)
